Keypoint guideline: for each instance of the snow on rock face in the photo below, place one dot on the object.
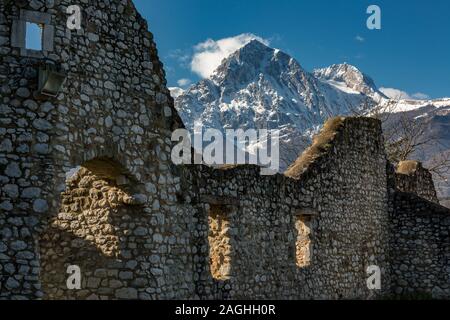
(407, 105)
(258, 87)
(175, 92)
(435, 116)
(350, 77)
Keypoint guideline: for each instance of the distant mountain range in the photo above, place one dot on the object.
(258, 87)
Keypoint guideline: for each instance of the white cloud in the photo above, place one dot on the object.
(395, 93)
(399, 94)
(184, 82)
(209, 54)
(359, 38)
(420, 96)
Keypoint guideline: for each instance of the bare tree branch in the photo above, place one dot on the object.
(406, 137)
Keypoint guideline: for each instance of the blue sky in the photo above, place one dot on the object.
(34, 36)
(411, 52)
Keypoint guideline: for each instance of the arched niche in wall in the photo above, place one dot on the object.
(100, 228)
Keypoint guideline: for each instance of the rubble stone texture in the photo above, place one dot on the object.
(421, 247)
(412, 177)
(86, 179)
(303, 246)
(220, 251)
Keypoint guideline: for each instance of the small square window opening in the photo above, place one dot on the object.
(33, 39)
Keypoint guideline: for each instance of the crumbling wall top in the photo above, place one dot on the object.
(324, 142)
(412, 177)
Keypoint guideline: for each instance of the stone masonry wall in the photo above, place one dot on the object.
(420, 247)
(344, 195)
(86, 179)
(348, 186)
(260, 232)
(102, 230)
(115, 105)
(412, 177)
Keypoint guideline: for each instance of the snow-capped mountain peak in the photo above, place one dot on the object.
(249, 62)
(351, 77)
(176, 92)
(258, 87)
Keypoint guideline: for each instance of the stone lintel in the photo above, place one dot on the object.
(35, 16)
(306, 212)
(219, 200)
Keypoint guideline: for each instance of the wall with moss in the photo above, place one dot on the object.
(412, 177)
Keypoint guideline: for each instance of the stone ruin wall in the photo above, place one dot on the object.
(140, 228)
(349, 193)
(101, 229)
(347, 218)
(420, 248)
(114, 104)
(412, 177)
(420, 235)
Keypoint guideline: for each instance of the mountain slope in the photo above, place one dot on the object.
(434, 117)
(258, 87)
(349, 78)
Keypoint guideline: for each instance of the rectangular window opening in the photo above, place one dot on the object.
(219, 242)
(303, 244)
(33, 40)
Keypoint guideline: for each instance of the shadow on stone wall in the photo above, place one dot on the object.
(92, 231)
